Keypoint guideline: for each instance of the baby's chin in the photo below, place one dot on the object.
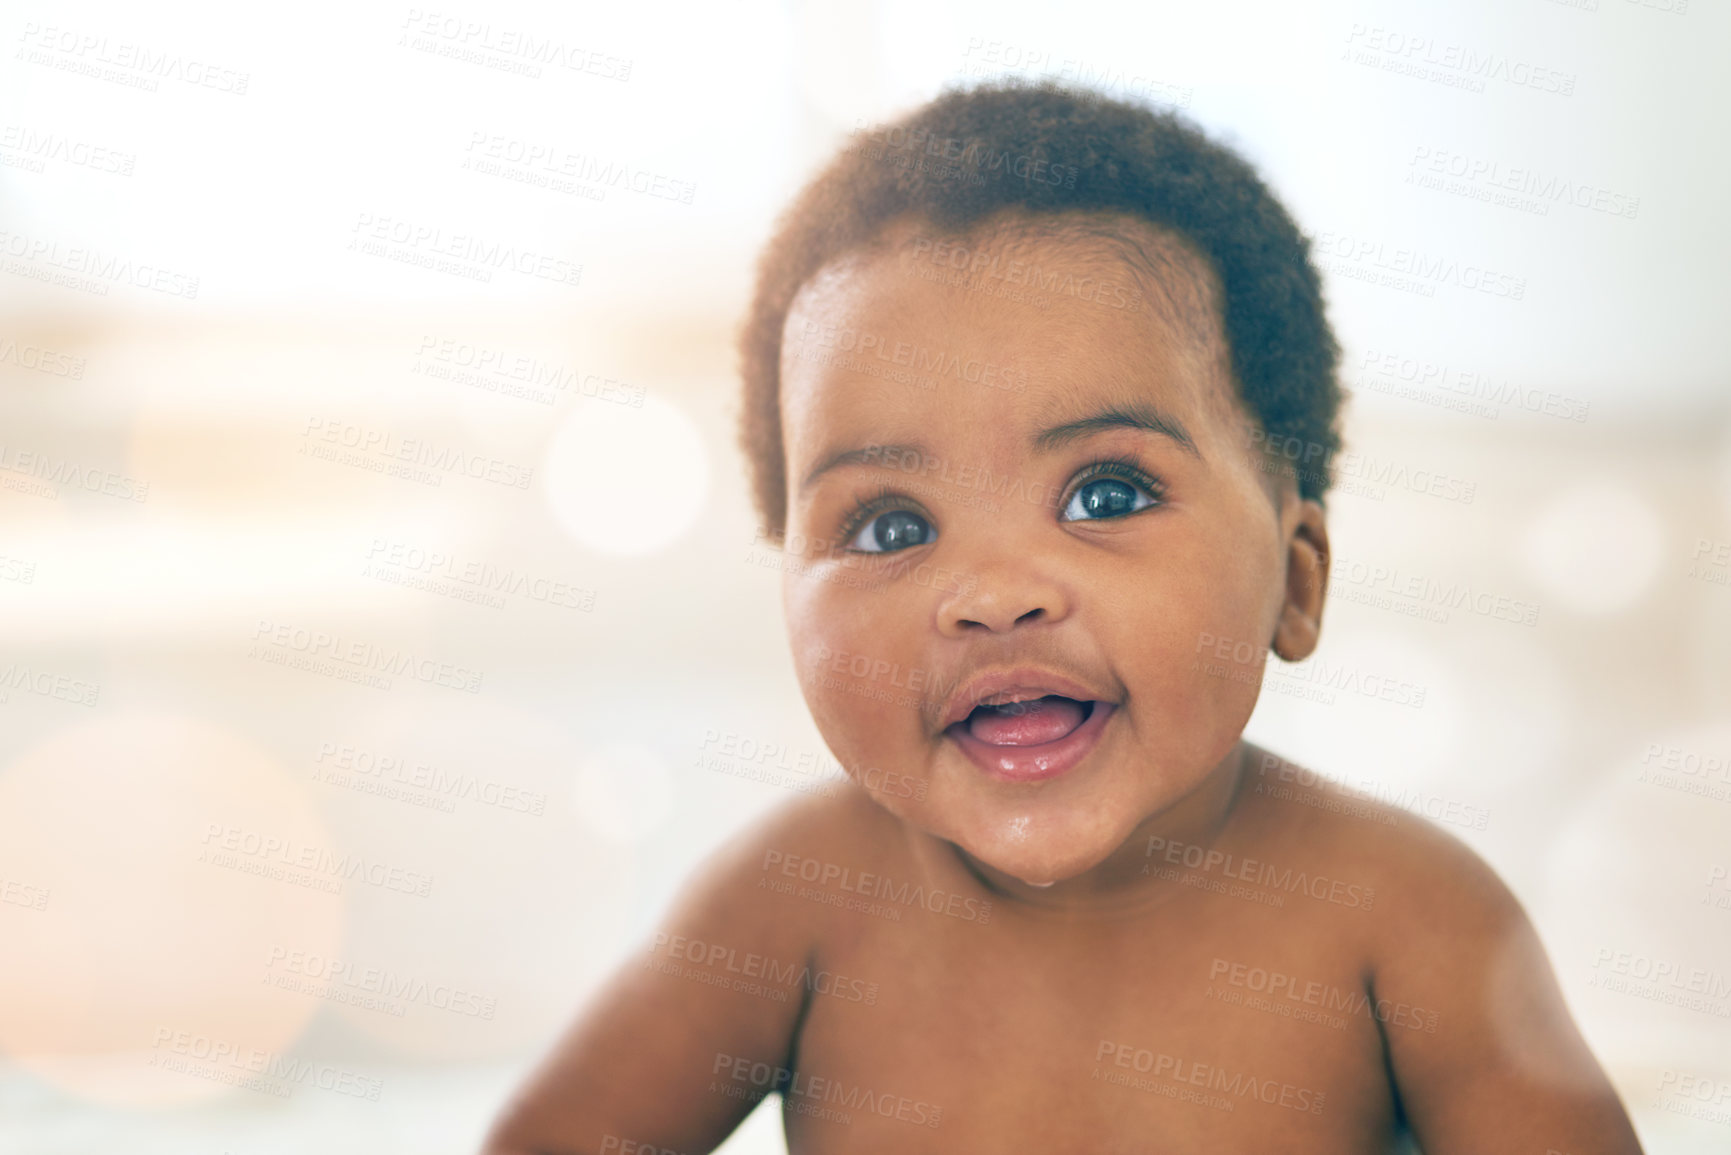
(1028, 844)
(1039, 861)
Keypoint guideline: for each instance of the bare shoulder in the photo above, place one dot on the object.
(800, 837)
(719, 986)
(1481, 1047)
(766, 891)
(1437, 909)
(1410, 860)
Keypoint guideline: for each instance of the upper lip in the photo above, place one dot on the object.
(1012, 684)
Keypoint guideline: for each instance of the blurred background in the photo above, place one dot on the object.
(384, 632)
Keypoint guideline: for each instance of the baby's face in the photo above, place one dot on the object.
(1020, 540)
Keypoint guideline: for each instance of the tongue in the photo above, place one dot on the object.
(1026, 723)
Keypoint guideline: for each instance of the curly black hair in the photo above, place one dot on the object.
(1043, 149)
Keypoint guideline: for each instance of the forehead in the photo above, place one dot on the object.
(1015, 321)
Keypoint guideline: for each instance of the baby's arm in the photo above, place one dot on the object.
(1506, 1070)
(639, 1063)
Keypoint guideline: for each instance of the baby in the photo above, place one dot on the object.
(1040, 400)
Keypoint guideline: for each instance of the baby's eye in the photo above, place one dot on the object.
(888, 532)
(1106, 497)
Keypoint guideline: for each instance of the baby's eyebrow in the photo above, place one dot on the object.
(865, 455)
(1138, 415)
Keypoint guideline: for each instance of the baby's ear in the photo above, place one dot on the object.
(1295, 635)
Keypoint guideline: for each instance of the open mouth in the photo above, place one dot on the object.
(1032, 739)
(1032, 723)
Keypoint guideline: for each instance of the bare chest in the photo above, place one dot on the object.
(1199, 1027)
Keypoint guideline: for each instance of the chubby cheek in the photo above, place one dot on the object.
(1190, 705)
(1196, 678)
(858, 662)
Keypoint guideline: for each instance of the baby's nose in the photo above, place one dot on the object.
(1000, 596)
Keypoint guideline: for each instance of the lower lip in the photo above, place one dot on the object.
(1034, 763)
